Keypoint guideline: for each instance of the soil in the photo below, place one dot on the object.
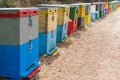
(93, 54)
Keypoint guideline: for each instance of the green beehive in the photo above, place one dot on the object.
(101, 10)
(111, 5)
(114, 5)
(73, 12)
(81, 9)
(81, 15)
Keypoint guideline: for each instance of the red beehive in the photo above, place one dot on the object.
(72, 27)
(109, 8)
(104, 6)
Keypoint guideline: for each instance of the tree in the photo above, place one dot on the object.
(7, 3)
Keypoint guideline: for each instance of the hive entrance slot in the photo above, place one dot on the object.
(5, 78)
(51, 50)
(30, 67)
(24, 12)
(34, 11)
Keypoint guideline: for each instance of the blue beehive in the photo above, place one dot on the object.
(93, 12)
(47, 43)
(97, 10)
(47, 30)
(104, 12)
(97, 16)
(62, 25)
(93, 16)
(18, 42)
(62, 32)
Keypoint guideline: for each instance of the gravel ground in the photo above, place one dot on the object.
(92, 55)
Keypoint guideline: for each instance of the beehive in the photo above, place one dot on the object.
(73, 17)
(101, 5)
(87, 14)
(87, 20)
(101, 9)
(62, 33)
(62, 20)
(63, 17)
(111, 6)
(81, 23)
(62, 23)
(47, 19)
(93, 12)
(107, 6)
(18, 42)
(63, 12)
(73, 12)
(47, 34)
(87, 11)
(72, 27)
(97, 15)
(47, 43)
(114, 4)
(93, 16)
(81, 11)
(104, 5)
(93, 8)
(81, 15)
(87, 8)
(97, 6)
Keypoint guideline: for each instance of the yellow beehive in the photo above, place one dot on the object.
(63, 15)
(47, 19)
(107, 5)
(87, 20)
(81, 11)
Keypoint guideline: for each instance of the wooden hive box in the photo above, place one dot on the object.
(73, 13)
(47, 19)
(81, 11)
(63, 15)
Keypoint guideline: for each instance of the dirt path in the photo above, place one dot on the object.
(93, 56)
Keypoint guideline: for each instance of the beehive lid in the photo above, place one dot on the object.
(86, 3)
(17, 12)
(19, 9)
(47, 8)
(79, 4)
(95, 3)
(53, 5)
(98, 2)
(114, 1)
(14, 10)
(73, 5)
